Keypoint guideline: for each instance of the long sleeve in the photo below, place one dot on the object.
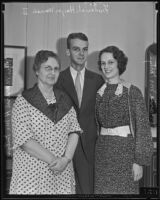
(143, 137)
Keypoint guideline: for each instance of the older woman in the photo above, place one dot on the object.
(124, 144)
(45, 134)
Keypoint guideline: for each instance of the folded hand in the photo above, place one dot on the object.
(59, 164)
(137, 171)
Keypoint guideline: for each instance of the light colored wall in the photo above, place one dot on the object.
(128, 25)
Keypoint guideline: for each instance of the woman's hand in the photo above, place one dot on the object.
(59, 164)
(137, 171)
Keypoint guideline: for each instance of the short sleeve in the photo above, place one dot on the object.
(74, 126)
(21, 127)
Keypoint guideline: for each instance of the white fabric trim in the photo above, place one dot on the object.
(122, 131)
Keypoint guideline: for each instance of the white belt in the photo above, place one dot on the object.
(122, 131)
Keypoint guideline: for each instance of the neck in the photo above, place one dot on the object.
(77, 67)
(114, 81)
(46, 90)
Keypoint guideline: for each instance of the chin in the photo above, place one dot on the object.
(107, 76)
(80, 62)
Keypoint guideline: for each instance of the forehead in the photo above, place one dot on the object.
(78, 43)
(107, 56)
(51, 61)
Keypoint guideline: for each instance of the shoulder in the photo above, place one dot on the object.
(93, 74)
(62, 97)
(131, 87)
(19, 102)
(136, 95)
(135, 90)
(65, 71)
(30, 91)
(101, 90)
(97, 78)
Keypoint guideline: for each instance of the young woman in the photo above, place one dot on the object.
(124, 143)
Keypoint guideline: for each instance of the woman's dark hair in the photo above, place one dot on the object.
(118, 54)
(42, 56)
(80, 36)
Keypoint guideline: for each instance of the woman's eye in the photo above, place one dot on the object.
(47, 68)
(110, 62)
(56, 69)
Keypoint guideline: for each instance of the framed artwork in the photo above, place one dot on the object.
(14, 70)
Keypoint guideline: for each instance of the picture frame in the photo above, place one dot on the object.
(151, 83)
(14, 70)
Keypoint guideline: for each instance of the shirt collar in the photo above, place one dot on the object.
(74, 72)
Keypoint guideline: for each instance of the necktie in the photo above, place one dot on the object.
(78, 87)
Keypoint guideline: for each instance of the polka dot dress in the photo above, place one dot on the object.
(30, 175)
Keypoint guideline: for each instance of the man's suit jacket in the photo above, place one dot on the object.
(86, 118)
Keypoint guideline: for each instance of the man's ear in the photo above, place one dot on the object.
(37, 73)
(67, 52)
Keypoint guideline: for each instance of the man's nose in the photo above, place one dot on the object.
(81, 52)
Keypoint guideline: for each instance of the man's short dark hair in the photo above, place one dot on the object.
(80, 36)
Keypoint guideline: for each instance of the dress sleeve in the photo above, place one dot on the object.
(74, 126)
(21, 127)
(143, 137)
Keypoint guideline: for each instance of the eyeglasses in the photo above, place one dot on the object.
(48, 68)
(103, 64)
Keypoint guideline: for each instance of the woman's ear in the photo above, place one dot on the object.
(37, 73)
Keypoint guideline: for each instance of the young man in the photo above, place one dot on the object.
(82, 88)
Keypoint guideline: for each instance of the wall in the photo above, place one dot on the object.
(128, 25)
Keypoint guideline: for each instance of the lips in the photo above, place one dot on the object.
(80, 58)
(51, 77)
(107, 71)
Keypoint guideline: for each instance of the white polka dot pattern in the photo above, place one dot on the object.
(33, 176)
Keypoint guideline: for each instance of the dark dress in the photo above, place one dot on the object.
(114, 155)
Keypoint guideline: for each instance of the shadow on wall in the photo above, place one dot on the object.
(61, 51)
(31, 77)
(61, 46)
(92, 62)
(65, 61)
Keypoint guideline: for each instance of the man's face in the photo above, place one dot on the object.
(78, 52)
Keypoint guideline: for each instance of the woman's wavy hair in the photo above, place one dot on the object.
(42, 56)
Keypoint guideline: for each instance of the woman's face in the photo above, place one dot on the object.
(109, 66)
(49, 72)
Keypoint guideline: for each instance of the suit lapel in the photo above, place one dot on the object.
(69, 86)
(86, 88)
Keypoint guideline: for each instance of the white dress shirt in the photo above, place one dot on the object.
(74, 74)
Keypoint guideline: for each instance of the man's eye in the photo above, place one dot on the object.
(86, 49)
(76, 49)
